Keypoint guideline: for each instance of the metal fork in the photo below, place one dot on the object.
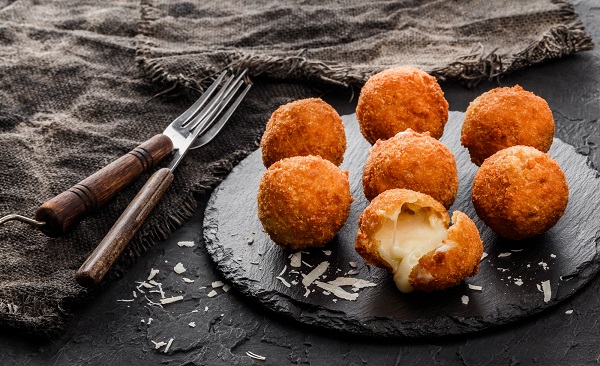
(204, 118)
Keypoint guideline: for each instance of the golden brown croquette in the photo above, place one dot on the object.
(396, 99)
(304, 127)
(505, 117)
(303, 201)
(413, 161)
(520, 192)
(406, 232)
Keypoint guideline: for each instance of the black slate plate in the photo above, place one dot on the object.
(566, 256)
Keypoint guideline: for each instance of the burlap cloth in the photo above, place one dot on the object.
(77, 81)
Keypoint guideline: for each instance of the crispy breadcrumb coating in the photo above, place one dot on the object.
(413, 161)
(505, 117)
(520, 192)
(303, 201)
(396, 99)
(406, 232)
(304, 127)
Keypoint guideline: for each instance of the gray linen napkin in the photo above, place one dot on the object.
(77, 81)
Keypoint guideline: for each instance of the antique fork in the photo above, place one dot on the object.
(194, 128)
(198, 120)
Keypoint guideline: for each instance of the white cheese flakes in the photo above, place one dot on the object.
(569, 312)
(464, 299)
(286, 283)
(150, 321)
(547, 290)
(353, 264)
(483, 256)
(187, 280)
(518, 281)
(168, 345)
(192, 324)
(255, 356)
(205, 309)
(327, 252)
(356, 283)
(503, 255)
(119, 300)
(157, 345)
(282, 271)
(544, 265)
(306, 264)
(213, 293)
(153, 272)
(217, 284)
(226, 288)
(188, 244)
(315, 273)
(170, 300)
(475, 287)
(307, 292)
(179, 268)
(296, 259)
(552, 255)
(337, 291)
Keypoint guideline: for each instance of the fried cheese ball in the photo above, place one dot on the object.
(414, 161)
(303, 201)
(304, 127)
(505, 117)
(396, 99)
(406, 232)
(520, 192)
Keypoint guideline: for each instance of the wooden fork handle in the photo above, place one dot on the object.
(68, 208)
(106, 253)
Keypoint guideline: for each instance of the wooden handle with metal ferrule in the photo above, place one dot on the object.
(68, 208)
(107, 252)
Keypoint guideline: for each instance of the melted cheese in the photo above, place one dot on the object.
(406, 236)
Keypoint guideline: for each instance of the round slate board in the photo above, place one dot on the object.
(510, 277)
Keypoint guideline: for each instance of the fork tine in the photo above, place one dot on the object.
(216, 128)
(207, 117)
(189, 114)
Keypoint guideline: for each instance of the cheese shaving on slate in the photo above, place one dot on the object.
(547, 290)
(351, 281)
(170, 300)
(502, 255)
(213, 293)
(306, 264)
(157, 345)
(205, 309)
(255, 356)
(179, 268)
(337, 291)
(188, 244)
(475, 287)
(187, 280)
(464, 299)
(168, 345)
(544, 265)
(153, 272)
(353, 264)
(315, 273)
(296, 259)
(552, 255)
(226, 288)
(327, 252)
(518, 281)
(192, 324)
(282, 271)
(483, 256)
(286, 283)
(217, 284)
(569, 312)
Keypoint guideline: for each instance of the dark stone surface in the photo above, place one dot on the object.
(107, 331)
(566, 255)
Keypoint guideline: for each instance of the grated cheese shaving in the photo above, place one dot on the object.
(255, 356)
(226, 288)
(315, 273)
(157, 345)
(168, 345)
(188, 244)
(483, 256)
(544, 265)
(179, 268)
(475, 287)
(337, 291)
(120, 300)
(213, 293)
(569, 312)
(153, 272)
(464, 299)
(327, 252)
(187, 280)
(282, 271)
(307, 292)
(205, 309)
(170, 300)
(552, 255)
(518, 281)
(547, 290)
(306, 264)
(356, 283)
(296, 259)
(286, 283)
(502, 255)
(353, 264)
(217, 284)
(192, 324)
